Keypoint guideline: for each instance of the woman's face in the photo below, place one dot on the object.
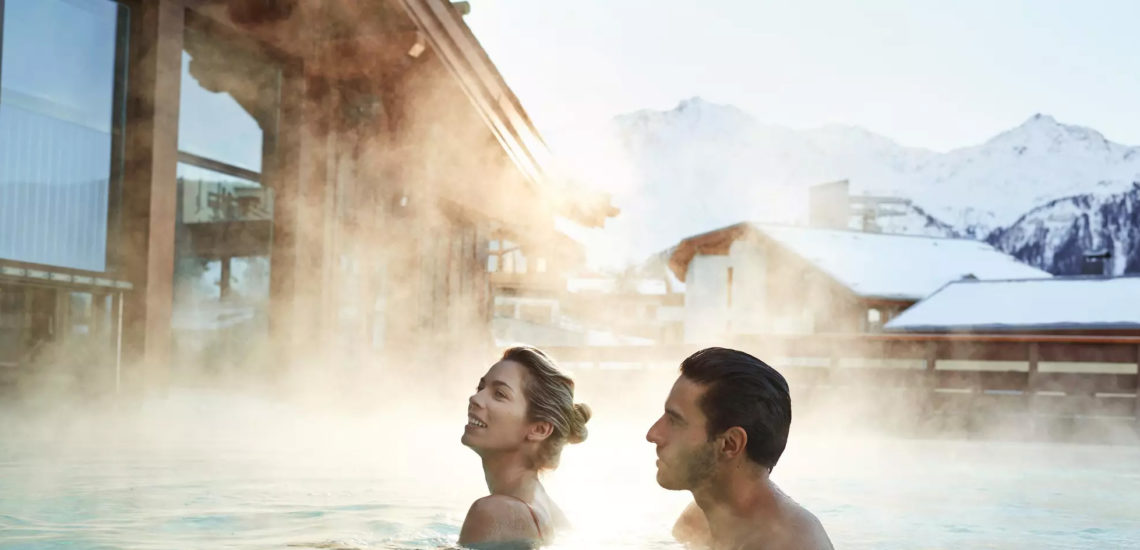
(496, 412)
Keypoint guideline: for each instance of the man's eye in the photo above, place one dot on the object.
(500, 395)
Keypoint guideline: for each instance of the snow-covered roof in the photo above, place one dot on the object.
(1035, 304)
(902, 267)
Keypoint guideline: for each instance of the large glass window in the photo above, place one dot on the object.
(61, 78)
(227, 123)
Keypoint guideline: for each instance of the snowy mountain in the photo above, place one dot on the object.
(1058, 233)
(701, 166)
(916, 221)
(981, 188)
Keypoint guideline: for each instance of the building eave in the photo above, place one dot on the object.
(715, 242)
(443, 28)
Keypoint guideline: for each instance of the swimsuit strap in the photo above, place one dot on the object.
(533, 515)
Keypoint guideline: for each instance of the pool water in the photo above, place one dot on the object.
(196, 471)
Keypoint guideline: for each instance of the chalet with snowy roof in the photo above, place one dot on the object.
(1060, 305)
(751, 278)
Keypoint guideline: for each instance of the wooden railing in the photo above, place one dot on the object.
(1047, 374)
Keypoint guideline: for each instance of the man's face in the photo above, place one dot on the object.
(685, 457)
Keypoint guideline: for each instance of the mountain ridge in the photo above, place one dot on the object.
(701, 165)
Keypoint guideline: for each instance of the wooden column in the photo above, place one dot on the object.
(1031, 384)
(61, 319)
(308, 294)
(931, 363)
(118, 309)
(100, 325)
(282, 173)
(1034, 355)
(149, 190)
(1136, 409)
(224, 280)
(1032, 380)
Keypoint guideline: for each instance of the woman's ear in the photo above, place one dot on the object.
(539, 431)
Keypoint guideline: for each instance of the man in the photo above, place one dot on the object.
(725, 426)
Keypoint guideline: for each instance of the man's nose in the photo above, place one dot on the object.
(652, 436)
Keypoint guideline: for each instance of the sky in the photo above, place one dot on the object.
(933, 74)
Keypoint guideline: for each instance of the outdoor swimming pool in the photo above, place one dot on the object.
(265, 475)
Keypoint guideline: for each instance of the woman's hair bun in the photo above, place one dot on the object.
(578, 432)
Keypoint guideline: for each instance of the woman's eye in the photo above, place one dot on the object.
(500, 395)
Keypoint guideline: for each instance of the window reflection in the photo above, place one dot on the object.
(224, 230)
(212, 124)
(221, 275)
(58, 110)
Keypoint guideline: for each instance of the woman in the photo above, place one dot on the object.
(521, 415)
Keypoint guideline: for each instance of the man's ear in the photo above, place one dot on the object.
(732, 442)
(539, 431)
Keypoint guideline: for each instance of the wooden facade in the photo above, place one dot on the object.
(392, 150)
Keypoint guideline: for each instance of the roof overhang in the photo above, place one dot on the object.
(460, 51)
(715, 242)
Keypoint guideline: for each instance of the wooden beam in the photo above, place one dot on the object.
(310, 218)
(281, 172)
(169, 20)
(150, 194)
(481, 81)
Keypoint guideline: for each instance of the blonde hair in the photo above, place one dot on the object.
(549, 395)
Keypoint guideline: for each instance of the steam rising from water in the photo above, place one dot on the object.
(208, 467)
(320, 439)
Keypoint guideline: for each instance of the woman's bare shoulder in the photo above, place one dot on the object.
(498, 519)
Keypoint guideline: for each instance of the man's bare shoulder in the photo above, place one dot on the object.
(803, 530)
(692, 528)
(794, 528)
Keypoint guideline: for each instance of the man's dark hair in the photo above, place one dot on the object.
(743, 391)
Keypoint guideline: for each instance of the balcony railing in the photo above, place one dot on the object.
(1051, 375)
